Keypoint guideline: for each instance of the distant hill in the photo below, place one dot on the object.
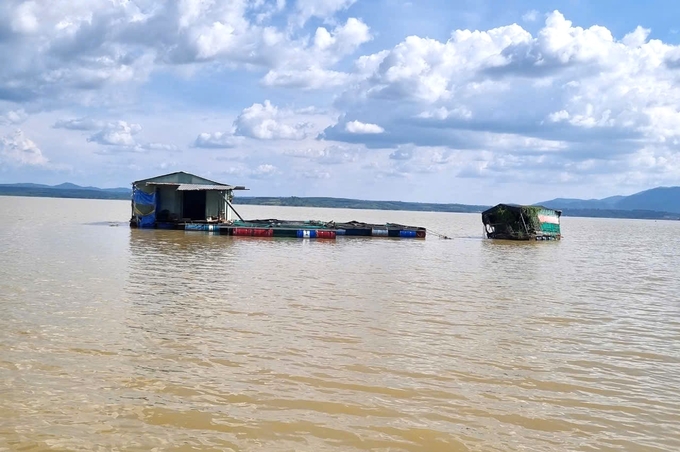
(346, 203)
(606, 203)
(343, 203)
(661, 199)
(66, 186)
(613, 213)
(65, 190)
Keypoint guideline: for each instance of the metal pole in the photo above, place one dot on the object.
(232, 208)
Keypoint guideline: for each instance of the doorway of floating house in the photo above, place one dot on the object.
(193, 204)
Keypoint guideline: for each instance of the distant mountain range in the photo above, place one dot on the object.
(657, 203)
(660, 199)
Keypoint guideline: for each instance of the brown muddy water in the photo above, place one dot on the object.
(119, 339)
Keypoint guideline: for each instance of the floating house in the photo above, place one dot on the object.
(515, 222)
(192, 203)
(180, 198)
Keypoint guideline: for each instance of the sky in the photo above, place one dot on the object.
(473, 102)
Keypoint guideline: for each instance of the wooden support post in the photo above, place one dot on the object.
(521, 215)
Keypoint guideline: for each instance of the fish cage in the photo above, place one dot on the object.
(515, 222)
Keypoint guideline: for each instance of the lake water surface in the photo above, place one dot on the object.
(119, 339)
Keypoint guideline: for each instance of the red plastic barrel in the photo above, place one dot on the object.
(325, 234)
(242, 231)
(263, 232)
(253, 232)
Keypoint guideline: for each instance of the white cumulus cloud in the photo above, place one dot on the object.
(307, 79)
(312, 68)
(216, 140)
(118, 133)
(263, 171)
(566, 95)
(63, 48)
(363, 128)
(266, 122)
(18, 150)
(320, 8)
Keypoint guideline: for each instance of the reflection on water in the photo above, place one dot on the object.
(124, 339)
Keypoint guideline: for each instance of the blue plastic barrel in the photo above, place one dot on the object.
(306, 233)
(197, 227)
(407, 234)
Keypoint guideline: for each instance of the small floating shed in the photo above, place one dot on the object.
(516, 222)
(180, 198)
(188, 202)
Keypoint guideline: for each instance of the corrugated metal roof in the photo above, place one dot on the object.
(178, 177)
(181, 178)
(194, 187)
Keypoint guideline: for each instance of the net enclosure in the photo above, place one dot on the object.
(516, 222)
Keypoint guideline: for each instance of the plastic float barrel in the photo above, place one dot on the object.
(253, 232)
(200, 227)
(315, 234)
(325, 234)
(420, 234)
(407, 234)
(306, 233)
(379, 232)
(261, 232)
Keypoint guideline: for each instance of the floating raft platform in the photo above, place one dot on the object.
(189, 202)
(300, 229)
